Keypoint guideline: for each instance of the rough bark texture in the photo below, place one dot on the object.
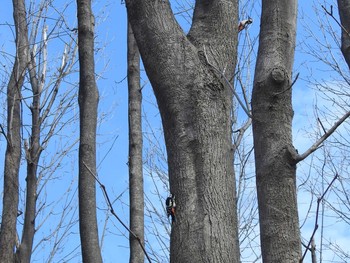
(13, 149)
(88, 102)
(272, 130)
(135, 152)
(195, 108)
(344, 13)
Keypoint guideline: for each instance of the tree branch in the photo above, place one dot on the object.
(227, 83)
(316, 220)
(344, 14)
(110, 205)
(4, 133)
(317, 144)
(290, 86)
(330, 13)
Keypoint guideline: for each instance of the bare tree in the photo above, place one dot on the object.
(47, 108)
(33, 151)
(326, 181)
(88, 102)
(275, 155)
(13, 136)
(272, 129)
(157, 227)
(135, 152)
(195, 105)
(344, 13)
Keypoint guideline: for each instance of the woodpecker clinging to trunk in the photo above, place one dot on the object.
(244, 23)
(170, 207)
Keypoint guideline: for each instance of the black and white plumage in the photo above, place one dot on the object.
(244, 23)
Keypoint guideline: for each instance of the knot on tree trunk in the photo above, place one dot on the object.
(291, 154)
(278, 75)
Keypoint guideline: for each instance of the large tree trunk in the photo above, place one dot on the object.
(272, 130)
(13, 136)
(88, 102)
(344, 13)
(135, 152)
(195, 106)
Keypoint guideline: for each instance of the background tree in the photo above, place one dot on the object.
(323, 178)
(195, 105)
(136, 194)
(88, 102)
(13, 136)
(47, 106)
(344, 13)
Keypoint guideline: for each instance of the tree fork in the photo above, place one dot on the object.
(195, 107)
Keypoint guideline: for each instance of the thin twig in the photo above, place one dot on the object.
(323, 128)
(291, 85)
(4, 133)
(109, 203)
(316, 220)
(109, 150)
(330, 13)
(228, 83)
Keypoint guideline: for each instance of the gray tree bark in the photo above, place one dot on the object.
(136, 195)
(13, 137)
(344, 13)
(195, 105)
(88, 102)
(272, 130)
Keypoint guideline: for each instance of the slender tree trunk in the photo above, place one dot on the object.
(32, 155)
(13, 137)
(88, 102)
(344, 13)
(186, 73)
(135, 152)
(272, 131)
(33, 151)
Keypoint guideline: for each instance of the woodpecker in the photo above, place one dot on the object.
(244, 23)
(170, 207)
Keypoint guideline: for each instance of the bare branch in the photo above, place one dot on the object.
(323, 128)
(4, 133)
(42, 77)
(228, 83)
(317, 144)
(291, 85)
(241, 132)
(330, 13)
(110, 205)
(316, 220)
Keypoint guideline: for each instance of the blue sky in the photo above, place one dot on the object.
(113, 130)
